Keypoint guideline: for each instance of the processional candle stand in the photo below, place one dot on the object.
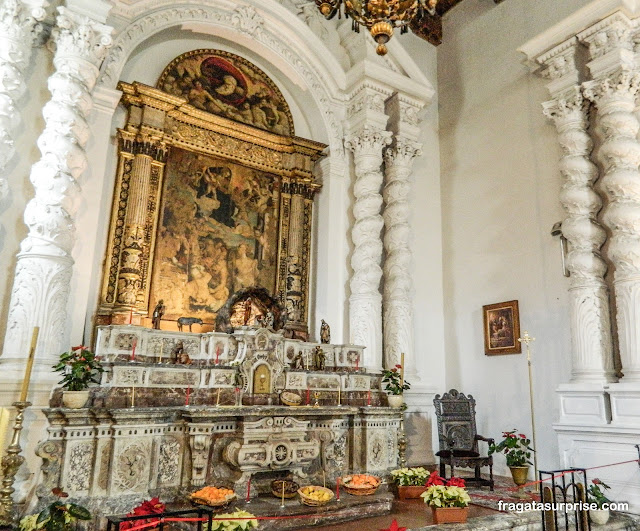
(526, 339)
(12, 462)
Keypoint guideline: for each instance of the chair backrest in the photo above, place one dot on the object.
(456, 414)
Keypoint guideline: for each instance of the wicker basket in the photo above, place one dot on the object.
(359, 491)
(304, 499)
(276, 488)
(210, 503)
(290, 399)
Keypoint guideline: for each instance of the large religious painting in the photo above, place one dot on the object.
(217, 234)
(227, 85)
(501, 328)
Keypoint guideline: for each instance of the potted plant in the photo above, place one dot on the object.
(236, 520)
(58, 516)
(517, 450)
(449, 500)
(410, 482)
(80, 368)
(395, 385)
(595, 495)
(147, 507)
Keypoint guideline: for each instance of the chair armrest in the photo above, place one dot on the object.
(485, 439)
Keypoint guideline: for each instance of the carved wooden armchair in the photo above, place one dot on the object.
(456, 414)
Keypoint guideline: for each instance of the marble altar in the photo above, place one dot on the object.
(139, 438)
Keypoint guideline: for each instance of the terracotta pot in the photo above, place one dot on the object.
(449, 515)
(411, 492)
(599, 516)
(519, 474)
(75, 399)
(395, 401)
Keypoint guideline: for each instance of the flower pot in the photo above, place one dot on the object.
(395, 401)
(599, 516)
(410, 492)
(449, 515)
(75, 399)
(519, 474)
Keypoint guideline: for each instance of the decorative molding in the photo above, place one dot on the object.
(19, 29)
(43, 274)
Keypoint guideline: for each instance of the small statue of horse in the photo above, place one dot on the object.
(182, 321)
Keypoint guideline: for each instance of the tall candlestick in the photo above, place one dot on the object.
(282, 502)
(188, 393)
(133, 349)
(4, 427)
(27, 372)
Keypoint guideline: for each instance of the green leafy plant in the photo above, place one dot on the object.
(80, 368)
(393, 380)
(440, 494)
(58, 516)
(410, 477)
(237, 520)
(516, 448)
(595, 493)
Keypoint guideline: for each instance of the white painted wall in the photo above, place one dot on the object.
(500, 185)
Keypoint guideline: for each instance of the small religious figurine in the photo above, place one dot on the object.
(325, 332)
(158, 312)
(298, 362)
(247, 311)
(319, 359)
(177, 352)
(268, 320)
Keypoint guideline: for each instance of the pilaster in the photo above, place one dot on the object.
(44, 265)
(19, 28)
(366, 139)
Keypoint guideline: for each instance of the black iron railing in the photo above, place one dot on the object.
(565, 492)
(203, 515)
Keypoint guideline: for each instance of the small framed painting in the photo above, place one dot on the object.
(501, 328)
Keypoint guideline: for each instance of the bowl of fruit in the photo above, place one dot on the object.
(315, 496)
(361, 484)
(213, 496)
(290, 488)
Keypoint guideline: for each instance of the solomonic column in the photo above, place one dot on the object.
(19, 28)
(43, 273)
(592, 347)
(615, 97)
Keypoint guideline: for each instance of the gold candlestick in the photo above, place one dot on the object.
(27, 372)
(316, 395)
(11, 463)
(526, 339)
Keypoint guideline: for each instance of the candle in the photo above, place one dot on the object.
(133, 348)
(307, 395)
(282, 502)
(357, 361)
(339, 387)
(27, 373)
(133, 396)
(131, 316)
(324, 479)
(401, 373)
(217, 355)
(188, 393)
(4, 427)
(249, 490)
(338, 489)
(369, 397)
(218, 398)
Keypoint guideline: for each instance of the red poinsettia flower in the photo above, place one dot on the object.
(398, 366)
(456, 482)
(434, 479)
(522, 435)
(147, 507)
(394, 527)
(79, 347)
(596, 481)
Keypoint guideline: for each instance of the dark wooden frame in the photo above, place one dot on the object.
(516, 346)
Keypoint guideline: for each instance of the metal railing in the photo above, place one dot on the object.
(204, 515)
(559, 488)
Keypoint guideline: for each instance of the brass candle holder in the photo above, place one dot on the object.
(11, 463)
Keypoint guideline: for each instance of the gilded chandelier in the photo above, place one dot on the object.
(380, 17)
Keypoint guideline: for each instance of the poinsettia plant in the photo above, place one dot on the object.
(235, 521)
(393, 380)
(516, 447)
(58, 516)
(410, 477)
(596, 494)
(147, 507)
(443, 493)
(80, 368)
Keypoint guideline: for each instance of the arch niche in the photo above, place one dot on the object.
(213, 195)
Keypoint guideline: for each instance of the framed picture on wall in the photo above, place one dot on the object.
(501, 328)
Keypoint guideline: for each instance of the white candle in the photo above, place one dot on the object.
(4, 427)
(27, 374)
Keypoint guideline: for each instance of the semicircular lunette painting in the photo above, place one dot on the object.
(225, 84)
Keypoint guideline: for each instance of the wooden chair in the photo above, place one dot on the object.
(456, 414)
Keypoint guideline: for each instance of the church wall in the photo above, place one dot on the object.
(500, 185)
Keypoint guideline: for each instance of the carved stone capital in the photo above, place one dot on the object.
(402, 153)
(368, 141)
(620, 87)
(569, 106)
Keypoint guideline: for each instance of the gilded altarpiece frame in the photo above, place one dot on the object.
(158, 124)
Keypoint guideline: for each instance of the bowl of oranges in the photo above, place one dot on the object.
(361, 484)
(315, 496)
(213, 496)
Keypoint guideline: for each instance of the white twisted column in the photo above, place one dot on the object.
(365, 301)
(398, 286)
(615, 98)
(592, 347)
(42, 280)
(19, 28)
